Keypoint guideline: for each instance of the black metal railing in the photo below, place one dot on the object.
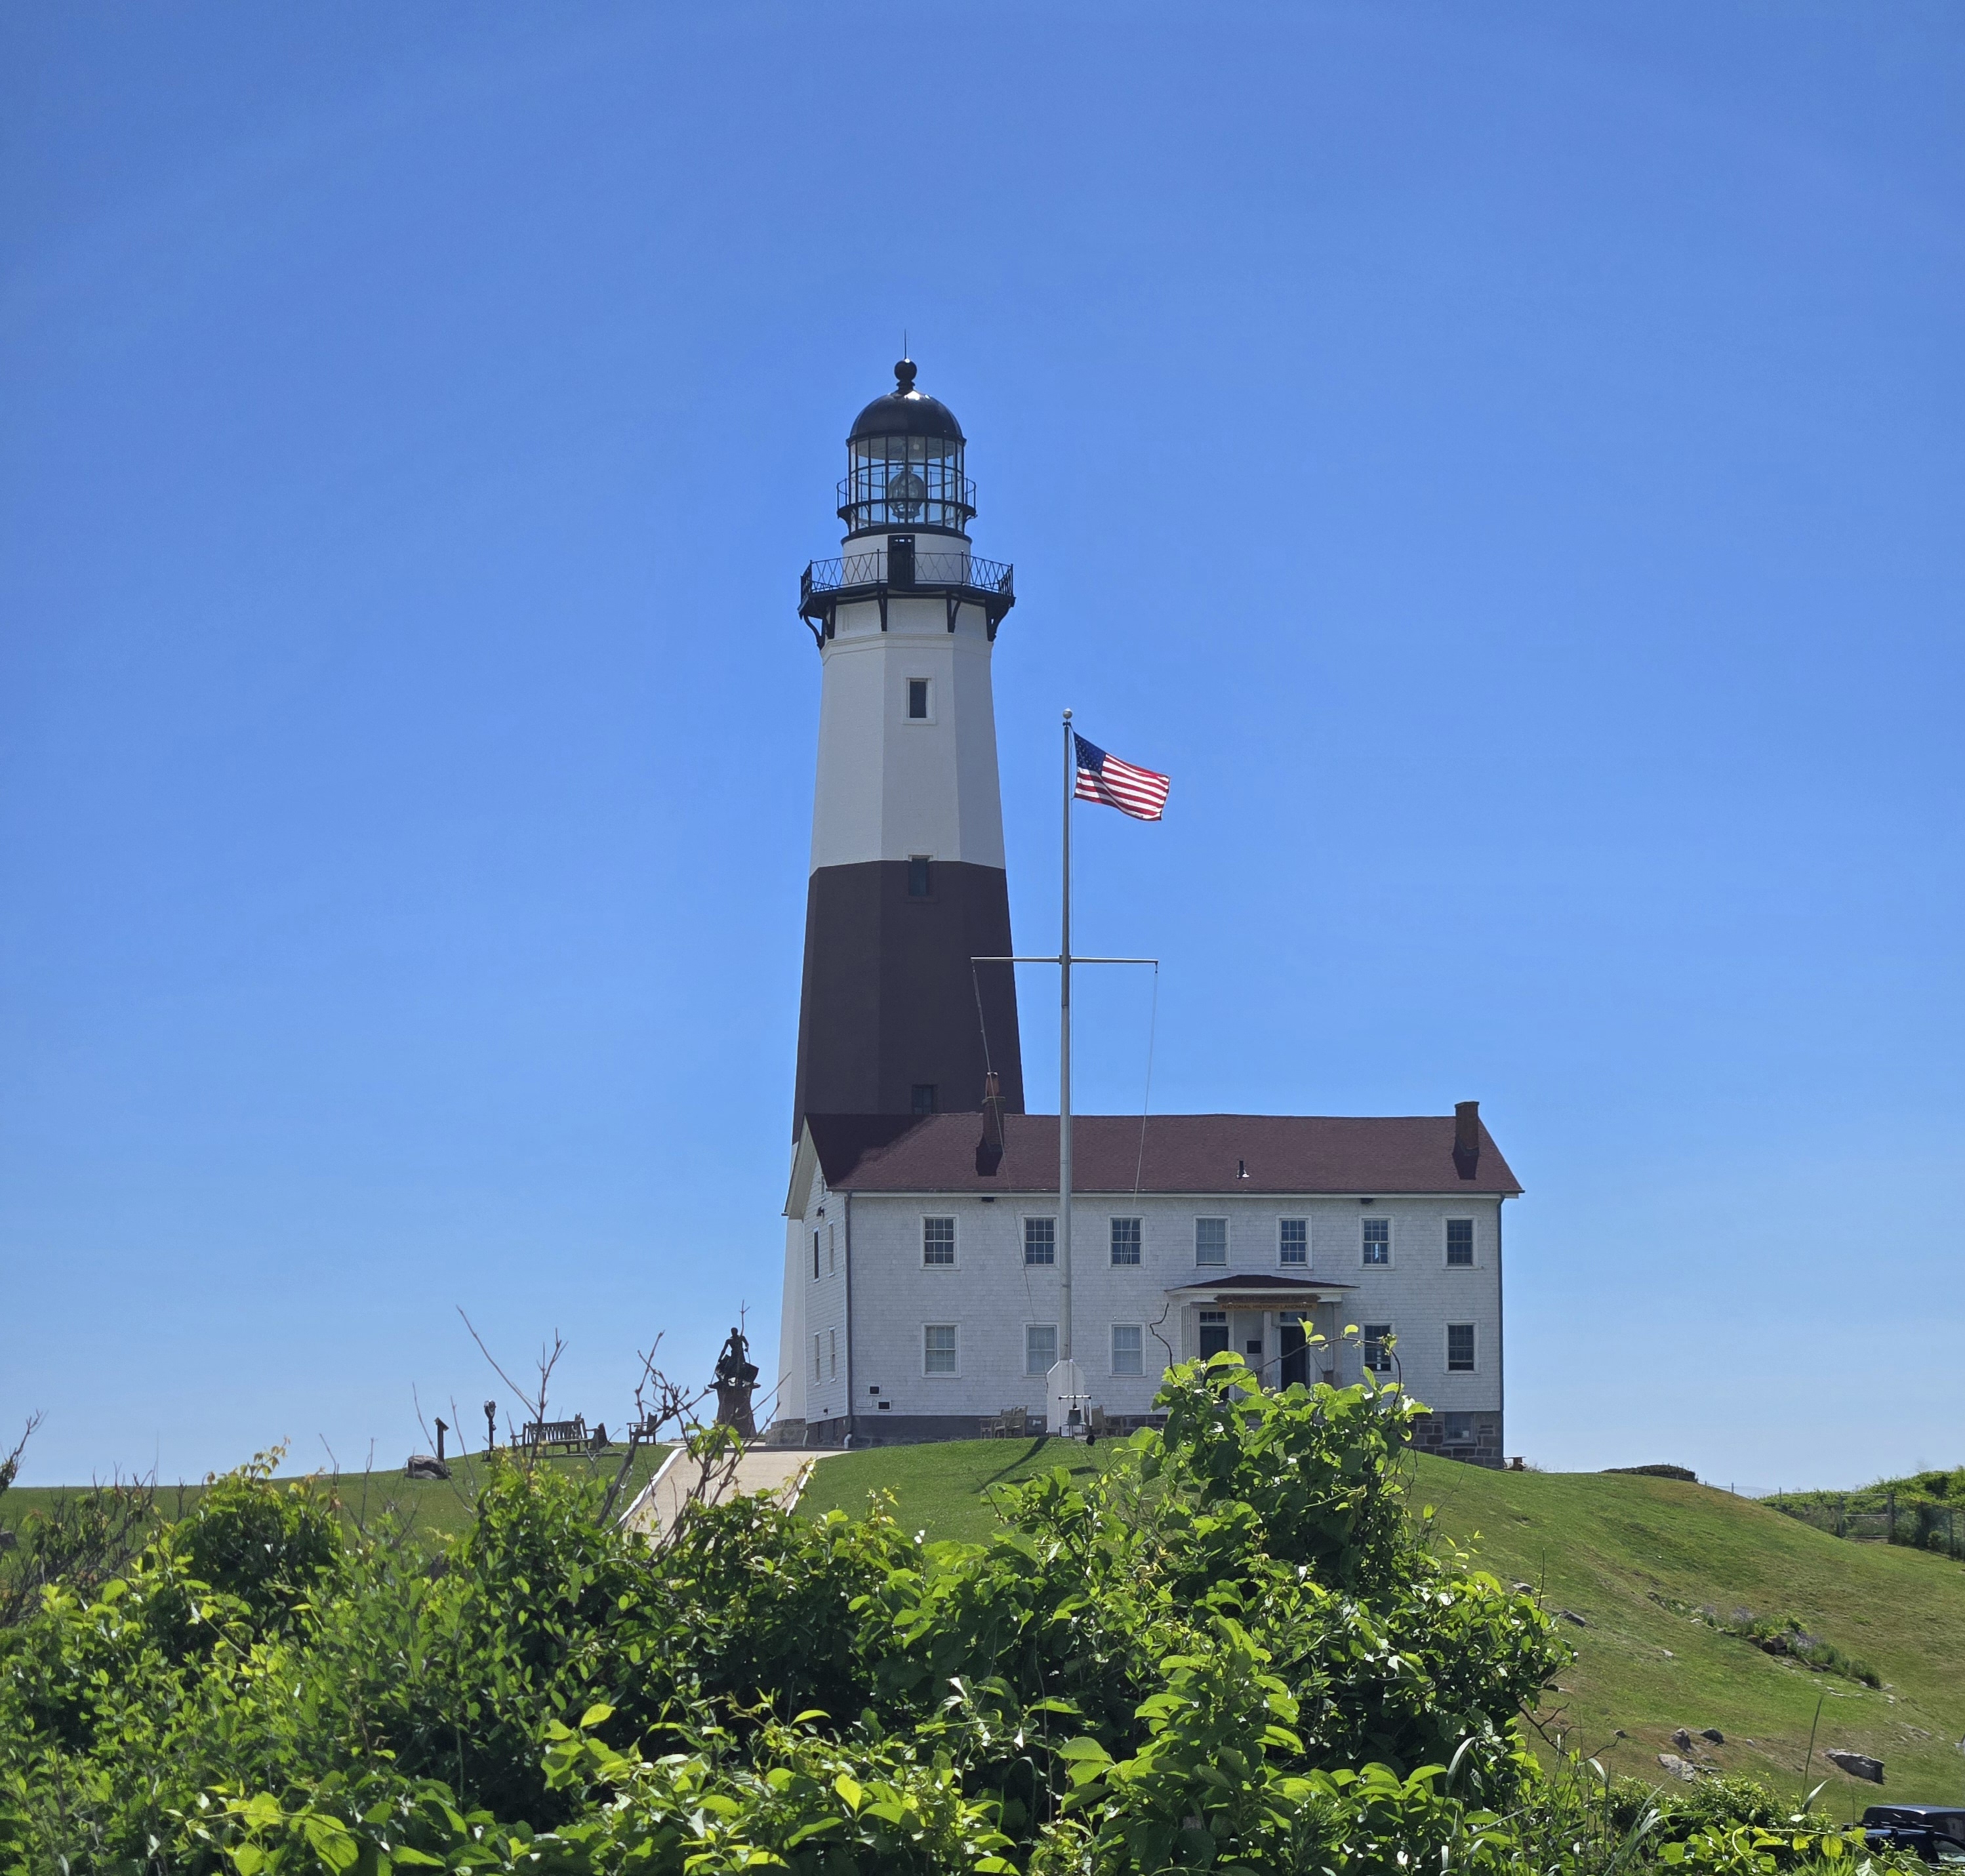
(935, 571)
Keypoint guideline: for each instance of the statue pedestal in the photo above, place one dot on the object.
(733, 1407)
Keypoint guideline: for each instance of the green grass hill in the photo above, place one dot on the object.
(1637, 1560)
(427, 1506)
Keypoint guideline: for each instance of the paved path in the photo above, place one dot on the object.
(782, 1471)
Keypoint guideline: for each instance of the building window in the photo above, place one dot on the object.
(832, 1248)
(1040, 1347)
(1460, 1348)
(924, 1101)
(1459, 1429)
(917, 699)
(1040, 1240)
(937, 1240)
(814, 1256)
(919, 883)
(1379, 1347)
(1459, 1242)
(1125, 1240)
(1210, 1240)
(1293, 1241)
(1125, 1341)
(832, 1337)
(814, 1358)
(1213, 1332)
(1377, 1240)
(938, 1348)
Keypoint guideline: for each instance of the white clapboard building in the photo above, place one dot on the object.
(923, 1286)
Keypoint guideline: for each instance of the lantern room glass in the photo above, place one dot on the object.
(906, 482)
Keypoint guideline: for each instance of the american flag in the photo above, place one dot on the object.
(1102, 777)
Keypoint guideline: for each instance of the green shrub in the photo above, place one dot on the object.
(1234, 1650)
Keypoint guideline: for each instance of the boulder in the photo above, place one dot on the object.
(1714, 1734)
(1857, 1764)
(1678, 1767)
(1682, 1739)
(1570, 1615)
(426, 1465)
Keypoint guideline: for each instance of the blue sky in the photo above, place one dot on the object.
(1504, 461)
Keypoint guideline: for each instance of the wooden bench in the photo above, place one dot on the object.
(1011, 1424)
(567, 1434)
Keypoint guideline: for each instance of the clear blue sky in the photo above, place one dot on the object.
(1504, 461)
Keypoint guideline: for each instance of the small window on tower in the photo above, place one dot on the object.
(924, 1100)
(918, 881)
(917, 699)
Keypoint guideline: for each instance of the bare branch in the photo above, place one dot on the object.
(10, 1466)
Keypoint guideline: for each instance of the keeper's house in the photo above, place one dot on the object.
(925, 1299)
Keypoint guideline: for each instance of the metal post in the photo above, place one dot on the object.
(1064, 1064)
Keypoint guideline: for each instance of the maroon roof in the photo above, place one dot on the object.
(1184, 1153)
(1272, 1282)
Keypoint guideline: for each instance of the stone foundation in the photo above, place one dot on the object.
(1473, 1438)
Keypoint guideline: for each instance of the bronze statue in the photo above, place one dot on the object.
(736, 1380)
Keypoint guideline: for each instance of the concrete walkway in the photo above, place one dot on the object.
(781, 1471)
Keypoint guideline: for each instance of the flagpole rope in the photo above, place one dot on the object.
(975, 984)
(1147, 1102)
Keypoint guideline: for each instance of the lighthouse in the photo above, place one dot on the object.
(908, 883)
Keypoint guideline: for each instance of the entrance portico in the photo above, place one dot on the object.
(1267, 1319)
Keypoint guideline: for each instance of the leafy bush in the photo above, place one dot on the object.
(1234, 1651)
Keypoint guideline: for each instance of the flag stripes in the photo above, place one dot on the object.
(1102, 777)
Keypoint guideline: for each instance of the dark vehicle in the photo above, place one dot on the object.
(1935, 1832)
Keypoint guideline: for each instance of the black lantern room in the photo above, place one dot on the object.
(904, 465)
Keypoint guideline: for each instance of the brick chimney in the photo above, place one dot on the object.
(1467, 1138)
(989, 1148)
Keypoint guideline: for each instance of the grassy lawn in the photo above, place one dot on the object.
(1601, 1547)
(428, 1507)
(941, 1489)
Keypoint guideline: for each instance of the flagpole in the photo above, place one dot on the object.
(1064, 1065)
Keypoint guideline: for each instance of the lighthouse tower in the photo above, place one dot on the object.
(908, 882)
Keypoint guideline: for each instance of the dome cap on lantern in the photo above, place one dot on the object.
(905, 411)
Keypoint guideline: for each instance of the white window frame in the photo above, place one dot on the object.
(832, 1250)
(817, 1373)
(1140, 1349)
(907, 699)
(1391, 1247)
(1291, 1264)
(954, 1246)
(942, 1374)
(1212, 1264)
(1366, 1338)
(1028, 1370)
(1446, 1245)
(832, 1340)
(1139, 1257)
(1446, 1352)
(1025, 1220)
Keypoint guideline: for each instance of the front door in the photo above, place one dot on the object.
(1293, 1370)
